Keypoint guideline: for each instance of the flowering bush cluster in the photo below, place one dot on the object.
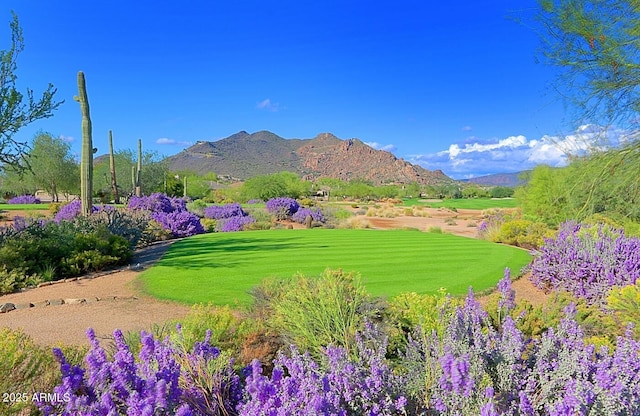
(302, 213)
(471, 366)
(230, 217)
(170, 213)
(476, 368)
(282, 207)
(71, 210)
(164, 379)
(587, 261)
(339, 386)
(237, 223)
(219, 212)
(24, 199)
(157, 202)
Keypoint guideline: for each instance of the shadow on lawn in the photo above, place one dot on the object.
(199, 253)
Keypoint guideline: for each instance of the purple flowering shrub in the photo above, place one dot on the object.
(179, 223)
(282, 207)
(170, 213)
(229, 217)
(69, 211)
(24, 199)
(237, 223)
(476, 368)
(301, 214)
(163, 379)
(219, 212)
(340, 385)
(157, 202)
(587, 261)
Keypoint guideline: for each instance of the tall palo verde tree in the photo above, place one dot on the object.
(112, 169)
(86, 163)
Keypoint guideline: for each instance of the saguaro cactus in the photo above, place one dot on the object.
(138, 181)
(112, 168)
(86, 163)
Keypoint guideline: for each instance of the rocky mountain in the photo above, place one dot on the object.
(244, 155)
(499, 179)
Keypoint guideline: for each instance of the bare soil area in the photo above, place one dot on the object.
(113, 301)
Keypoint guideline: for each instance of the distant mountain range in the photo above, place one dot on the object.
(245, 155)
(499, 179)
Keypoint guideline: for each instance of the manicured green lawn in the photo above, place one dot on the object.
(24, 207)
(223, 267)
(474, 203)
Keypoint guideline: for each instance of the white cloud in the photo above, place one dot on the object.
(467, 128)
(172, 142)
(267, 105)
(379, 146)
(516, 153)
(66, 139)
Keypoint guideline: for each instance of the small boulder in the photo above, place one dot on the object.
(7, 307)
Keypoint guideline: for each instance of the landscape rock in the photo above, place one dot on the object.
(41, 304)
(24, 305)
(56, 302)
(7, 307)
(74, 301)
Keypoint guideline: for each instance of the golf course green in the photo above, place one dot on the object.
(221, 268)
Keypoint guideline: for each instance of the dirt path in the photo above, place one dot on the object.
(107, 302)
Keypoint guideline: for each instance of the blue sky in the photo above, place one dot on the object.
(448, 86)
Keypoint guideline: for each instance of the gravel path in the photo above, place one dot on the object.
(105, 302)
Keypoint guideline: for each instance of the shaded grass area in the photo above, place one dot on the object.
(222, 267)
(472, 203)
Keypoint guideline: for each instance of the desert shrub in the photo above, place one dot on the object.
(313, 312)
(586, 261)
(170, 212)
(12, 280)
(489, 227)
(435, 230)
(523, 233)
(55, 250)
(24, 199)
(218, 212)
(335, 383)
(179, 223)
(476, 368)
(165, 378)
(208, 224)
(282, 208)
(197, 207)
(301, 214)
(450, 221)
(232, 224)
(625, 303)
(27, 370)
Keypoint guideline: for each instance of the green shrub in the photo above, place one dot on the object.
(313, 312)
(435, 230)
(28, 369)
(522, 233)
(197, 207)
(16, 279)
(625, 303)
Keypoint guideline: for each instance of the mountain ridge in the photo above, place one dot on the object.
(243, 155)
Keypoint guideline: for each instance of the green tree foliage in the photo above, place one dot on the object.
(17, 110)
(605, 183)
(596, 46)
(154, 174)
(53, 166)
(275, 185)
(53, 169)
(501, 192)
(544, 198)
